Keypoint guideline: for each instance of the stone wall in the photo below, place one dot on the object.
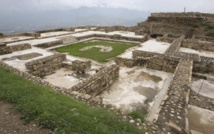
(99, 82)
(125, 62)
(175, 14)
(45, 66)
(139, 53)
(149, 60)
(206, 65)
(177, 20)
(205, 38)
(156, 61)
(79, 66)
(173, 114)
(50, 44)
(10, 49)
(198, 45)
(162, 29)
(189, 56)
(174, 47)
(20, 47)
(166, 63)
(114, 37)
(165, 39)
(120, 28)
(32, 34)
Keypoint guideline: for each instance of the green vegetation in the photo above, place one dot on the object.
(209, 29)
(59, 112)
(1, 34)
(137, 114)
(94, 53)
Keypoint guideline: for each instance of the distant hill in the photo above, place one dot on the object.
(22, 21)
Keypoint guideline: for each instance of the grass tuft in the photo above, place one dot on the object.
(137, 114)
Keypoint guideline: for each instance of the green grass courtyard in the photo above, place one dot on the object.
(94, 53)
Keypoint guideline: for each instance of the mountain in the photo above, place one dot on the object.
(24, 21)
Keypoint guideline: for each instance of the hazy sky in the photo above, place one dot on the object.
(144, 5)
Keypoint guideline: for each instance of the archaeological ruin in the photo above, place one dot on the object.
(168, 74)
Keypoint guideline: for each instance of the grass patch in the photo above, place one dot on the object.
(94, 53)
(59, 112)
(137, 114)
(209, 29)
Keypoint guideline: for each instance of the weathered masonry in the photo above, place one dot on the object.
(47, 65)
(174, 109)
(4, 49)
(99, 82)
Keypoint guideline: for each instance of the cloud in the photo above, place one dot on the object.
(144, 5)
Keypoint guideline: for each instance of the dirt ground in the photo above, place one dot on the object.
(10, 122)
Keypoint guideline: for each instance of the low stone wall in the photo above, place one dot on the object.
(68, 39)
(20, 47)
(177, 20)
(174, 113)
(79, 66)
(156, 61)
(99, 82)
(115, 37)
(150, 60)
(174, 47)
(198, 45)
(206, 65)
(125, 62)
(175, 14)
(189, 56)
(32, 34)
(168, 63)
(50, 44)
(120, 28)
(139, 53)
(10, 49)
(162, 29)
(201, 101)
(5, 50)
(205, 38)
(45, 66)
(165, 39)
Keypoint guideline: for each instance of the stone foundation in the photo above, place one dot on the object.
(50, 44)
(198, 45)
(165, 39)
(45, 66)
(99, 82)
(14, 48)
(125, 62)
(174, 47)
(164, 63)
(114, 37)
(173, 114)
(79, 66)
(177, 20)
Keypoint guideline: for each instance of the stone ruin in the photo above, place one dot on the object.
(9, 49)
(80, 67)
(178, 29)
